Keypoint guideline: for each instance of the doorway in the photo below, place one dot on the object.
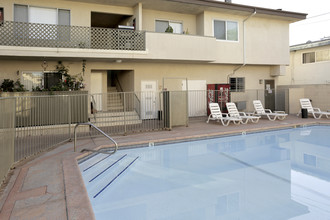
(97, 90)
(270, 94)
(149, 102)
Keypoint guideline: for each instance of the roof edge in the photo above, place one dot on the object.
(245, 8)
(319, 43)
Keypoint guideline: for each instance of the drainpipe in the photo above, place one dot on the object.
(244, 52)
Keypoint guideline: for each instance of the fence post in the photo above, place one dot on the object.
(69, 116)
(125, 129)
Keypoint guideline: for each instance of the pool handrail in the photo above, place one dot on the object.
(99, 130)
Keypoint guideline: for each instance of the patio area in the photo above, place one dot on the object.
(50, 186)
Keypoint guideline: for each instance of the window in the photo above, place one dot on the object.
(34, 80)
(2, 17)
(161, 26)
(237, 84)
(25, 13)
(309, 57)
(40, 15)
(226, 30)
(310, 160)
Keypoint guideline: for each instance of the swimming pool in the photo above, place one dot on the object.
(282, 174)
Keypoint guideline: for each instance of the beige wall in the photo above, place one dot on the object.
(126, 79)
(212, 73)
(267, 40)
(309, 73)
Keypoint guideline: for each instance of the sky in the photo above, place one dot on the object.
(315, 27)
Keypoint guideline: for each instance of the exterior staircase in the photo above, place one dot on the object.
(114, 114)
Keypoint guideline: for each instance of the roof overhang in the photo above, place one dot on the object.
(199, 6)
(309, 45)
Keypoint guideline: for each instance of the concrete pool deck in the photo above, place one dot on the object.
(50, 186)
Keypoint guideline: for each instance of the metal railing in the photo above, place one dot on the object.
(7, 135)
(63, 36)
(40, 122)
(100, 131)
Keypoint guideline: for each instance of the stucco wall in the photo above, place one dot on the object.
(309, 73)
(212, 73)
(267, 40)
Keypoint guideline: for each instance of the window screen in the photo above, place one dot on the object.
(237, 84)
(21, 13)
(63, 17)
(161, 26)
(220, 30)
(309, 57)
(226, 30)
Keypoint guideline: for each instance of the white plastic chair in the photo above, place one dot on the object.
(316, 112)
(233, 112)
(272, 116)
(217, 115)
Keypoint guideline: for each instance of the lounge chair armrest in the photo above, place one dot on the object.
(280, 112)
(316, 109)
(242, 113)
(268, 111)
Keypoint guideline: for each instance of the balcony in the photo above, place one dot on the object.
(59, 36)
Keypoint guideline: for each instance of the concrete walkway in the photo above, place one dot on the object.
(51, 187)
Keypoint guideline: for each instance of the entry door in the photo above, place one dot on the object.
(270, 94)
(149, 100)
(96, 90)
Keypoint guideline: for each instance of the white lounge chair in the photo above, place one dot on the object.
(316, 112)
(233, 112)
(217, 115)
(272, 116)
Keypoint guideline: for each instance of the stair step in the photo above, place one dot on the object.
(113, 114)
(113, 119)
(115, 104)
(116, 108)
(102, 179)
(117, 123)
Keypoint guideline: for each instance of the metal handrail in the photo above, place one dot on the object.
(99, 130)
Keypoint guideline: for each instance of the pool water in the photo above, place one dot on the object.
(282, 174)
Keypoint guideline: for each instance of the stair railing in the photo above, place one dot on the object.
(99, 130)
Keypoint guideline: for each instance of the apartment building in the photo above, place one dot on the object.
(309, 64)
(148, 45)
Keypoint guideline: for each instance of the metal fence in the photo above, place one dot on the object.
(127, 112)
(7, 135)
(44, 121)
(63, 36)
(30, 124)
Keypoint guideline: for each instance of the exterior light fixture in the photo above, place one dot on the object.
(44, 65)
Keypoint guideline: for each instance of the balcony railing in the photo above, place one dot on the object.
(62, 36)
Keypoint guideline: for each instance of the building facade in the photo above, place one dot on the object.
(309, 64)
(154, 45)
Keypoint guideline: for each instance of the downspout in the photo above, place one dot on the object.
(244, 52)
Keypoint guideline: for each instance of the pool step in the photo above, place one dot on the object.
(100, 171)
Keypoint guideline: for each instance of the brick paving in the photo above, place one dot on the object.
(51, 187)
